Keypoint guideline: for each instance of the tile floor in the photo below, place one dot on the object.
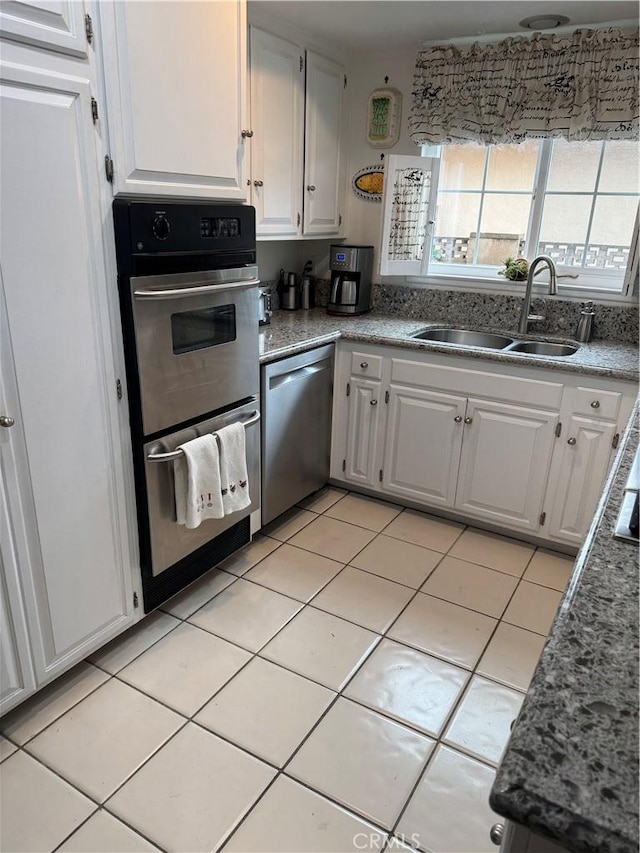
(346, 682)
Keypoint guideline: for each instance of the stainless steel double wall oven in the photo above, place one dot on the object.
(188, 288)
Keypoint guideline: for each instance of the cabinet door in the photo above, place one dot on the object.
(506, 453)
(277, 106)
(422, 448)
(363, 425)
(63, 485)
(582, 468)
(175, 77)
(323, 134)
(55, 24)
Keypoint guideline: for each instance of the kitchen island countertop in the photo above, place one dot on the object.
(291, 332)
(570, 769)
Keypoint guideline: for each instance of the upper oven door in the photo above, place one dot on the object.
(197, 343)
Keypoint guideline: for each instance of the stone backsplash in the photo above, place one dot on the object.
(611, 322)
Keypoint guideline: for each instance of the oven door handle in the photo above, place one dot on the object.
(176, 454)
(178, 292)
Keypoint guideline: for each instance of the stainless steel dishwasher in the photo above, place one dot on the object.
(296, 394)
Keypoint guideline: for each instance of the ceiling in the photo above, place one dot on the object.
(393, 24)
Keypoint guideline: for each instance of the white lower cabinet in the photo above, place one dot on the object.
(511, 446)
(422, 445)
(504, 463)
(67, 579)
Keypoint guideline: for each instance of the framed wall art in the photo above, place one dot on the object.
(383, 117)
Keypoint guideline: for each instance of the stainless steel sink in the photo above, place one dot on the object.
(465, 338)
(543, 348)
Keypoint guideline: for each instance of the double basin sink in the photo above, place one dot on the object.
(489, 340)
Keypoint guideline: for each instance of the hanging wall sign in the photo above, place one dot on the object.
(383, 117)
(367, 183)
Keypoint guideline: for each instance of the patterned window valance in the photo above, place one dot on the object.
(582, 86)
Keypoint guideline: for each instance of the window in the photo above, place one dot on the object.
(574, 201)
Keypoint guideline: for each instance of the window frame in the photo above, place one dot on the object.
(574, 282)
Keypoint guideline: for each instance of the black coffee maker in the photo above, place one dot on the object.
(351, 270)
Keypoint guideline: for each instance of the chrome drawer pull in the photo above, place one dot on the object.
(364, 364)
(595, 404)
(571, 441)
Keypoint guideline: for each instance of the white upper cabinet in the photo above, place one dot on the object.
(323, 169)
(175, 74)
(53, 24)
(277, 123)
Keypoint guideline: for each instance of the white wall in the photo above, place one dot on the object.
(366, 73)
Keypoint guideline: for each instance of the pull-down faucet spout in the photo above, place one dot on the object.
(553, 289)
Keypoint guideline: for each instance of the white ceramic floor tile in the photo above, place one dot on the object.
(6, 748)
(105, 738)
(363, 598)
(321, 646)
(103, 833)
(193, 792)
(198, 593)
(426, 530)
(511, 656)
(353, 754)
(246, 614)
(185, 668)
(449, 811)
(493, 551)
(30, 718)
(409, 686)
(290, 522)
(247, 557)
(38, 808)
(482, 722)
(397, 561)
(322, 499)
(125, 648)
(365, 512)
(550, 569)
(484, 590)
(533, 607)
(443, 629)
(332, 538)
(294, 572)
(293, 819)
(266, 710)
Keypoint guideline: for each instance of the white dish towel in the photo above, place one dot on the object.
(197, 482)
(233, 468)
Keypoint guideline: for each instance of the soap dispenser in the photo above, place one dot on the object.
(584, 329)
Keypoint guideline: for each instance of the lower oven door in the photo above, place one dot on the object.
(166, 546)
(196, 337)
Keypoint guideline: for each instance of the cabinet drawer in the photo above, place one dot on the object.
(365, 364)
(595, 402)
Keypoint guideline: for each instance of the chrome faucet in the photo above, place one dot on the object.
(525, 317)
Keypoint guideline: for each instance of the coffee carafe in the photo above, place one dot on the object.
(351, 269)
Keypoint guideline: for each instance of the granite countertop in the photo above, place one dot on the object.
(291, 332)
(570, 770)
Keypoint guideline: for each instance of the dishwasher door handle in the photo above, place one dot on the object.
(298, 373)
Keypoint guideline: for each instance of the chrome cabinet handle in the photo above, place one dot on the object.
(373, 402)
(6, 421)
(595, 404)
(364, 364)
(458, 419)
(468, 420)
(311, 188)
(246, 134)
(571, 441)
(258, 183)
(495, 833)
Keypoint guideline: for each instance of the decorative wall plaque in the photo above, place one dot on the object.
(368, 183)
(383, 117)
